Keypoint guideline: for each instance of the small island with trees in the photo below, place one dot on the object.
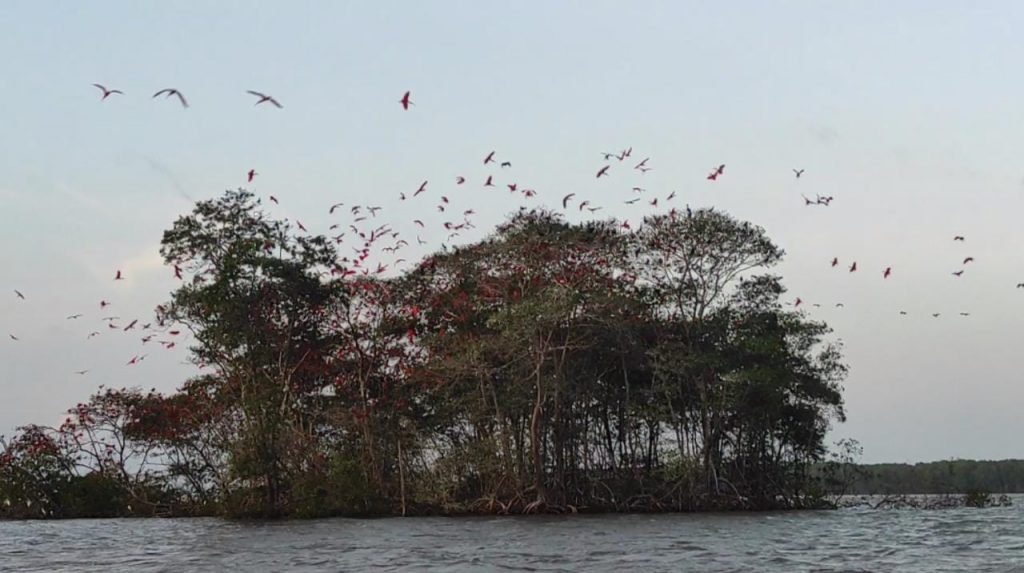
(551, 367)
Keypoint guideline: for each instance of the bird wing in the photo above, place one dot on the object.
(274, 101)
(165, 90)
(257, 94)
(181, 98)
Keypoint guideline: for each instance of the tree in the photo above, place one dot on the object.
(255, 305)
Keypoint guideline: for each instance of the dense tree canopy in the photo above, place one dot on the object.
(549, 367)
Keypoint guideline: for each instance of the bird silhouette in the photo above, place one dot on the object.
(107, 92)
(252, 174)
(18, 294)
(603, 171)
(265, 98)
(887, 272)
(798, 172)
(405, 101)
(168, 92)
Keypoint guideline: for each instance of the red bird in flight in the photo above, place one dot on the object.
(252, 175)
(405, 101)
(489, 158)
(716, 172)
(888, 271)
(853, 267)
(118, 276)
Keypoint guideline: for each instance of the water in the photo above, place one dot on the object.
(846, 540)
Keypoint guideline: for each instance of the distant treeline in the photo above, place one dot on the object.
(953, 476)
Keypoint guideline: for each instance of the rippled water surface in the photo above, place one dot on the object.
(845, 540)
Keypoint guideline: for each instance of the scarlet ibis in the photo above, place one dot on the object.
(489, 158)
(489, 182)
(423, 187)
(252, 174)
(107, 92)
(888, 271)
(173, 92)
(835, 261)
(405, 101)
(853, 267)
(264, 97)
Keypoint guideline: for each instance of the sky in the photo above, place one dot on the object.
(907, 113)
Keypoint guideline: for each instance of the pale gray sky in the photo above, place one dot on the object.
(908, 113)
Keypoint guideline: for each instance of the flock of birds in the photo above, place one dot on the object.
(366, 233)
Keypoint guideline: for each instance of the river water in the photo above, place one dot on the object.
(845, 540)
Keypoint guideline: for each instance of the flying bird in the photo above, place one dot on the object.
(888, 271)
(958, 238)
(716, 172)
(489, 182)
(423, 187)
(460, 180)
(968, 260)
(73, 317)
(252, 174)
(265, 97)
(107, 92)
(603, 171)
(13, 337)
(835, 261)
(405, 101)
(958, 273)
(798, 172)
(118, 276)
(173, 92)
(566, 199)
(506, 164)
(489, 158)
(19, 295)
(853, 267)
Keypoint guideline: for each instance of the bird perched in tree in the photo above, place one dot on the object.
(265, 98)
(106, 92)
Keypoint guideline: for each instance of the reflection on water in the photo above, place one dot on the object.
(845, 540)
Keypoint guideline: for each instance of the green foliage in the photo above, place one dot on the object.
(551, 367)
